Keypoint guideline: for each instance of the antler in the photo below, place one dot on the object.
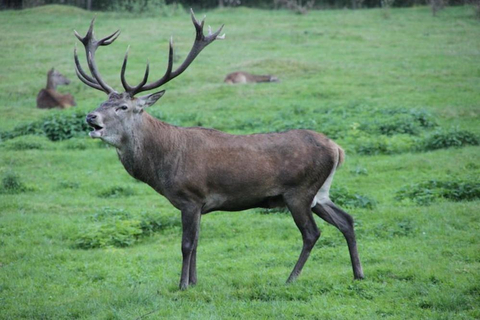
(201, 41)
(91, 44)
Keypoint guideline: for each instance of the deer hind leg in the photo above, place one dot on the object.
(303, 218)
(332, 214)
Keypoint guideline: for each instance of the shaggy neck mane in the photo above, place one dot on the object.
(148, 149)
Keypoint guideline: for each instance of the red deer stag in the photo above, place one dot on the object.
(49, 97)
(245, 77)
(203, 170)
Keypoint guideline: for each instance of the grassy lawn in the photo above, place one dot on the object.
(79, 238)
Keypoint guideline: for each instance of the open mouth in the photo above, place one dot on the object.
(95, 126)
(97, 130)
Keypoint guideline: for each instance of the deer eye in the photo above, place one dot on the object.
(124, 107)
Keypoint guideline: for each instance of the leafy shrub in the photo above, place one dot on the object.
(62, 126)
(116, 192)
(57, 126)
(151, 223)
(28, 142)
(122, 233)
(398, 121)
(425, 193)
(33, 128)
(119, 228)
(398, 124)
(453, 137)
(12, 184)
(373, 145)
(344, 198)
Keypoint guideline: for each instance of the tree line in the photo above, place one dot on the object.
(298, 5)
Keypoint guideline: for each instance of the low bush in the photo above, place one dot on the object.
(446, 138)
(57, 126)
(373, 145)
(344, 198)
(394, 121)
(116, 192)
(425, 193)
(12, 184)
(118, 228)
(62, 126)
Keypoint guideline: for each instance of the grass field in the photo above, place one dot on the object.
(399, 90)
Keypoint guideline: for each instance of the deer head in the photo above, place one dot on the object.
(115, 118)
(55, 78)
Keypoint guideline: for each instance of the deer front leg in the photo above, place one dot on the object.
(191, 227)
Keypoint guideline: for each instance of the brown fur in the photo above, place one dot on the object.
(49, 97)
(245, 77)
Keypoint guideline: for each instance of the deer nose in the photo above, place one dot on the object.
(91, 117)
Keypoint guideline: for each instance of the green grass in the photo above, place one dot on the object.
(363, 79)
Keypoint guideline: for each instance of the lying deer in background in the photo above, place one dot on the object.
(245, 77)
(49, 97)
(203, 170)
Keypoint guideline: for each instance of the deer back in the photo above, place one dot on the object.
(48, 99)
(245, 77)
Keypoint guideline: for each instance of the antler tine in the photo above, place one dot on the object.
(84, 77)
(201, 41)
(132, 90)
(91, 45)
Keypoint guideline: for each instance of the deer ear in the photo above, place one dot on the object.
(148, 100)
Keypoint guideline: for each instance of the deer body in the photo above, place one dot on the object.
(49, 97)
(219, 171)
(245, 77)
(203, 170)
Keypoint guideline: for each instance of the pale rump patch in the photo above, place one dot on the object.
(323, 195)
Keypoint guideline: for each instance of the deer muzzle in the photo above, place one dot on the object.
(94, 121)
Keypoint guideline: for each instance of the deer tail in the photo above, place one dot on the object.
(341, 156)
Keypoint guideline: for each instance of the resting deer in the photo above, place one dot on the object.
(245, 77)
(49, 97)
(203, 170)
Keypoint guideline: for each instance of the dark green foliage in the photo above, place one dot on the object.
(425, 193)
(12, 184)
(118, 228)
(398, 121)
(151, 223)
(58, 126)
(115, 192)
(344, 198)
(371, 146)
(62, 126)
(453, 137)
(32, 128)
